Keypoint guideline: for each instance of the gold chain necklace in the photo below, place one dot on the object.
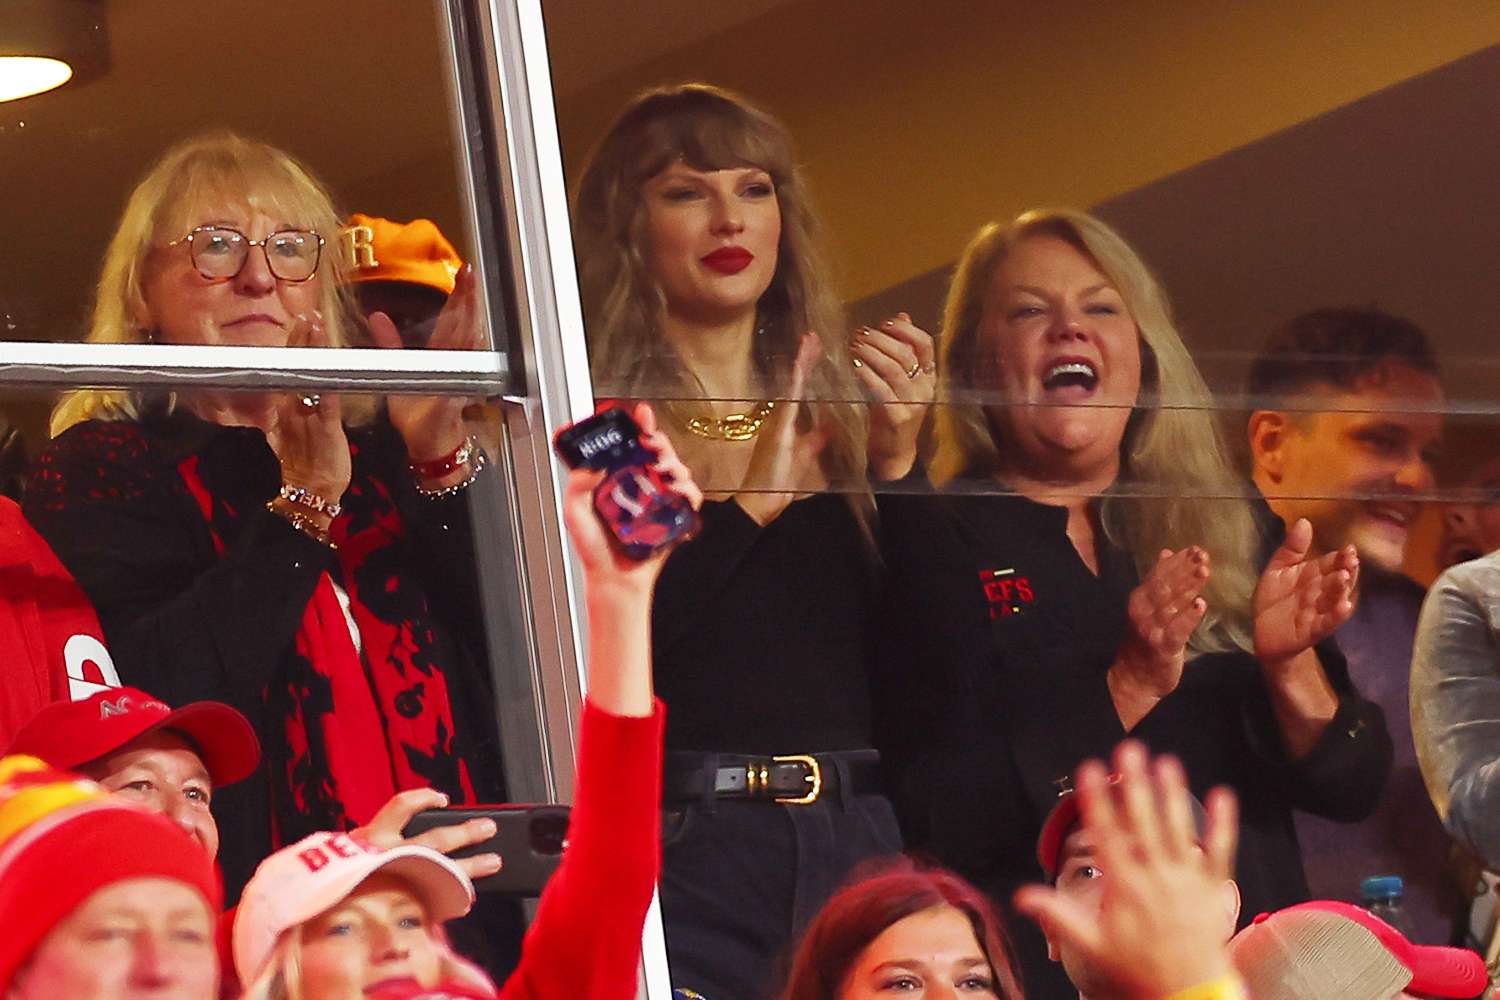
(731, 426)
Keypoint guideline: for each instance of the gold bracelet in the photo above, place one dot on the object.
(1227, 987)
(301, 522)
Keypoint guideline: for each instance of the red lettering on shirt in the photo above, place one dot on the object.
(1006, 592)
(313, 858)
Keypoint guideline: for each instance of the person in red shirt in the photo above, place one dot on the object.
(50, 639)
(355, 920)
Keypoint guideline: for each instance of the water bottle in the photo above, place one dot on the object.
(1382, 897)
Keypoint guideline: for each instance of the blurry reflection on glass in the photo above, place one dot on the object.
(1472, 528)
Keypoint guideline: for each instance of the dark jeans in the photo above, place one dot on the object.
(741, 879)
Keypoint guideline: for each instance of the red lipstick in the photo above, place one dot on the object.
(728, 260)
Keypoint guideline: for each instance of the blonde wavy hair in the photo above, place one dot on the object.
(709, 129)
(190, 179)
(1176, 485)
(281, 976)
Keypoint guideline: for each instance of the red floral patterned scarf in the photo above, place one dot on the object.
(361, 723)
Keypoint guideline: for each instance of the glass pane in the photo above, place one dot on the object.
(365, 159)
(372, 633)
(1146, 278)
(343, 569)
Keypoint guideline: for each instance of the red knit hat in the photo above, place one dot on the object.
(62, 838)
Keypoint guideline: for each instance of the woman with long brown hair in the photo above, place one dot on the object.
(704, 289)
(1095, 571)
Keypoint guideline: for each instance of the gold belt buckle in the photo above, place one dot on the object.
(814, 778)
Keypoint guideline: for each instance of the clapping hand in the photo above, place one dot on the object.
(433, 426)
(1164, 610)
(308, 435)
(784, 459)
(895, 363)
(1302, 599)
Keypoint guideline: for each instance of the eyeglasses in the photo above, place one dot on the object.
(219, 253)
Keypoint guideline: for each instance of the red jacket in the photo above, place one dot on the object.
(51, 645)
(586, 939)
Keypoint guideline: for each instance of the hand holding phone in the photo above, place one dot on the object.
(528, 838)
(644, 513)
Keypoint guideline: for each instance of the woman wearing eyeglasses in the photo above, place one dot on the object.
(306, 560)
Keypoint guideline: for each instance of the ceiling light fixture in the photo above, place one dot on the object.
(47, 43)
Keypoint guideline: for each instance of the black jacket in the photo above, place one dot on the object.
(992, 690)
(187, 623)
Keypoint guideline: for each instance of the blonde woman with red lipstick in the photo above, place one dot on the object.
(704, 289)
(1093, 572)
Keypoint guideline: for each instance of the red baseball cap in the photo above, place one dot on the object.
(69, 734)
(1064, 817)
(1331, 948)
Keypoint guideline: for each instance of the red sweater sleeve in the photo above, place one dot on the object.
(586, 939)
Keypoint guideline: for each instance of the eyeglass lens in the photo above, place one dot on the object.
(221, 253)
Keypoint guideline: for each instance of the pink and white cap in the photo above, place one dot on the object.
(302, 880)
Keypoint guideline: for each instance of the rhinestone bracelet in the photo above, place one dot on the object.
(302, 523)
(303, 497)
(477, 463)
(448, 464)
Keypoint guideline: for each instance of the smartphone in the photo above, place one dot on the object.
(643, 512)
(528, 838)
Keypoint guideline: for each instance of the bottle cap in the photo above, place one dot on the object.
(1382, 887)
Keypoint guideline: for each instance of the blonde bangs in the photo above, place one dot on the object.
(192, 182)
(215, 173)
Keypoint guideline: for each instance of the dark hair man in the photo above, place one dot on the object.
(1347, 419)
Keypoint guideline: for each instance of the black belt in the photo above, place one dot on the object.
(790, 779)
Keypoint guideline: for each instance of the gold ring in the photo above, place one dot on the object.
(310, 401)
(914, 370)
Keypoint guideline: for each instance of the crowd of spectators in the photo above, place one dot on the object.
(853, 730)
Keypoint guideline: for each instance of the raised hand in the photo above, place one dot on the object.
(1164, 610)
(617, 590)
(1301, 599)
(784, 460)
(384, 830)
(1152, 934)
(308, 434)
(601, 558)
(895, 364)
(433, 426)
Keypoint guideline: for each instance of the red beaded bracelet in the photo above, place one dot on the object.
(447, 465)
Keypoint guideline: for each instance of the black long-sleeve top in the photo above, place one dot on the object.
(187, 622)
(993, 689)
(762, 636)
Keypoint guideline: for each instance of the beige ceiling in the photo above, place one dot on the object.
(917, 121)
